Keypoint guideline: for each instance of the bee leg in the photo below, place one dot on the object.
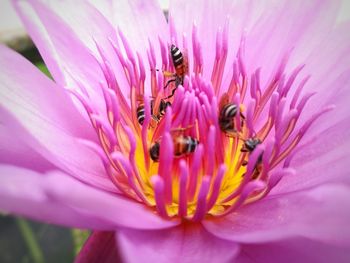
(172, 94)
(168, 82)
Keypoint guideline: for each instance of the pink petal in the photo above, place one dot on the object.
(39, 114)
(287, 25)
(71, 56)
(140, 21)
(67, 57)
(57, 198)
(184, 243)
(320, 214)
(292, 251)
(25, 89)
(15, 152)
(75, 15)
(320, 160)
(271, 29)
(100, 247)
(325, 148)
(328, 66)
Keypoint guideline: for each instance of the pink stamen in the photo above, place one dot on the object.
(248, 190)
(291, 80)
(277, 176)
(280, 110)
(304, 100)
(249, 118)
(114, 107)
(195, 169)
(298, 91)
(197, 50)
(202, 127)
(127, 47)
(202, 200)
(181, 115)
(86, 104)
(125, 165)
(132, 142)
(164, 52)
(106, 97)
(167, 120)
(144, 131)
(142, 71)
(266, 158)
(166, 156)
(253, 158)
(211, 141)
(237, 119)
(286, 126)
(216, 186)
(158, 185)
(172, 30)
(160, 81)
(106, 128)
(177, 104)
(183, 191)
(187, 115)
(300, 134)
(152, 54)
(241, 65)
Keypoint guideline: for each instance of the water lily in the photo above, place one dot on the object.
(239, 155)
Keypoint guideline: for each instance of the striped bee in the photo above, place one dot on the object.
(227, 112)
(249, 146)
(181, 68)
(183, 145)
(140, 111)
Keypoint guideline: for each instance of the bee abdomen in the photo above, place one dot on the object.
(176, 56)
(192, 144)
(162, 107)
(140, 112)
(229, 111)
(154, 151)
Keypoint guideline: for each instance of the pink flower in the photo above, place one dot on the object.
(249, 164)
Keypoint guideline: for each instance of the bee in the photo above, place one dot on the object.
(227, 112)
(183, 145)
(249, 146)
(181, 68)
(140, 111)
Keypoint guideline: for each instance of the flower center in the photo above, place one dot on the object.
(193, 146)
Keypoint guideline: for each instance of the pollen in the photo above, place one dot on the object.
(194, 145)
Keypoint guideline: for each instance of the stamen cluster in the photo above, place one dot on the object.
(187, 145)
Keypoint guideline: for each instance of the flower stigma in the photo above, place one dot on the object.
(189, 146)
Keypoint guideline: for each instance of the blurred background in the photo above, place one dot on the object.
(22, 240)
